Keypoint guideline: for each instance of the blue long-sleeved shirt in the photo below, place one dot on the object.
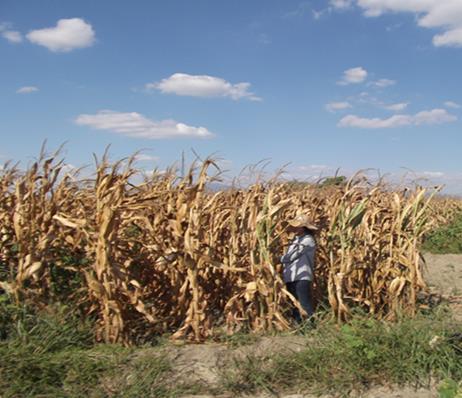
(298, 261)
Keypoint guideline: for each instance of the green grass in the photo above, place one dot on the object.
(447, 239)
(354, 356)
(449, 388)
(239, 339)
(52, 354)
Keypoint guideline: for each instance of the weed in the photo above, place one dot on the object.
(356, 355)
(239, 339)
(446, 239)
(52, 354)
(449, 388)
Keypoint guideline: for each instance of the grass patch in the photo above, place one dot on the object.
(239, 339)
(349, 358)
(447, 239)
(52, 354)
(71, 372)
(449, 388)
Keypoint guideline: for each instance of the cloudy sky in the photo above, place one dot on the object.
(319, 84)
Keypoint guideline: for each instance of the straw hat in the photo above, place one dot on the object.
(303, 220)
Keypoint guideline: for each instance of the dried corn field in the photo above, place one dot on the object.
(444, 210)
(167, 254)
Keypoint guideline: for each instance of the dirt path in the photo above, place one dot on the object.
(202, 363)
(374, 393)
(444, 273)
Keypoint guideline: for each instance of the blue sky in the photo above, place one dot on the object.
(321, 84)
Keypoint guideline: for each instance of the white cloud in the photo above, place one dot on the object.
(67, 35)
(337, 106)
(133, 124)
(333, 6)
(153, 172)
(375, 123)
(353, 76)
(382, 83)
(452, 104)
(340, 4)
(26, 90)
(314, 168)
(69, 168)
(434, 116)
(13, 36)
(444, 14)
(432, 174)
(451, 38)
(202, 86)
(397, 107)
(311, 172)
(142, 157)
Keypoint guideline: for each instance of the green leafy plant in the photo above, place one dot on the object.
(449, 388)
(446, 239)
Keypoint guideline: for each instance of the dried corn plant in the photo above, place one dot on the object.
(445, 209)
(167, 254)
(30, 201)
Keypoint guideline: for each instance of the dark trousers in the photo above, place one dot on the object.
(302, 291)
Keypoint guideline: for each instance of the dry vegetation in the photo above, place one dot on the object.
(169, 255)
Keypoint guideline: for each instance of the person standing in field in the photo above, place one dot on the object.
(298, 263)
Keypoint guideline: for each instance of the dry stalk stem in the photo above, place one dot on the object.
(169, 255)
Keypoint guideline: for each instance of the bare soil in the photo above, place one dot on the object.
(443, 274)
(203, 363)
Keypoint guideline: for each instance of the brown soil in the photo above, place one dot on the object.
(202, 363)
(374, 393)
(381, 392)
(443, 273)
